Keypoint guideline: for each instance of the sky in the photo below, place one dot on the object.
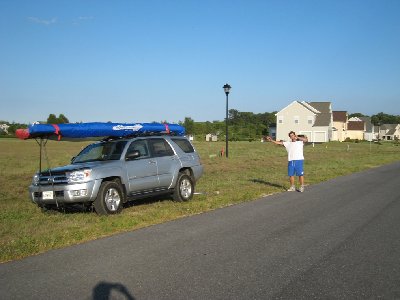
(164, 60)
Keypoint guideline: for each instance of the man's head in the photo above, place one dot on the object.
(293, 136)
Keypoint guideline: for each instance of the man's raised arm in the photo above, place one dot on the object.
(269, 139)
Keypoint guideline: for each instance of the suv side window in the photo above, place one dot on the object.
(116, 150)
(141, 146)
(160, 148)
(184, 144)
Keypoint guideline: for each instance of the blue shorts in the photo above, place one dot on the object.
(295, 168)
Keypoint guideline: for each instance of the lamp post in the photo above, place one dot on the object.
(227, 88)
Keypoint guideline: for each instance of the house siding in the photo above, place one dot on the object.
(294, 111)
(303, 112)
(355, 134)
(340, 133)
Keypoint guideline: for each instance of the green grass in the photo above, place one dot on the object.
(253, 170)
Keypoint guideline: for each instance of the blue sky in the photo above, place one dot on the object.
(148, 60)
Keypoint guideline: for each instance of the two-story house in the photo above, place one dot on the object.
(313, 119)
(340, 119)
(360, 128)
(355, 129)
(390, 132)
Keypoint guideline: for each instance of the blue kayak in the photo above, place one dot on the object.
(96, 130)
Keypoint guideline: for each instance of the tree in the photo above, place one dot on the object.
(52, 119)
(62, 119)
(357, 115)
(382, 118)
(189, 125)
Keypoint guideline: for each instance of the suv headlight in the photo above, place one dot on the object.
(35, 179)
(78, 176)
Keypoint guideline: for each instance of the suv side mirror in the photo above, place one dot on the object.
(132, 155)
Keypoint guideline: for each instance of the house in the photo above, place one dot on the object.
(211, 137)
(272, 130)
(355, 129)
(360, 128)
(313, 119)
(369, 133)
(339, 130)
(389, 132)
(4, 127)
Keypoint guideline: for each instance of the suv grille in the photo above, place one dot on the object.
(53, 180)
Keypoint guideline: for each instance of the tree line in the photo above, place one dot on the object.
(242, 125)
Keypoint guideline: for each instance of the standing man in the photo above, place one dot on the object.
(294, 149)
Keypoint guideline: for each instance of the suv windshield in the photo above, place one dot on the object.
(101, 151)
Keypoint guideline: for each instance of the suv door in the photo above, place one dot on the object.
(167, 161)
(142, 171)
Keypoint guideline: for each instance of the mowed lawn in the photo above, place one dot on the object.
(253, 170)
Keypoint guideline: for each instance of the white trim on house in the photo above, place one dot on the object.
(314, 110)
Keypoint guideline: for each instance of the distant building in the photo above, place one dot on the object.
(4, 127)
(211, 137)
(312, 119)
(369, 133)
(389, 132)
(272, 130)
(355, 129)
(339, 129)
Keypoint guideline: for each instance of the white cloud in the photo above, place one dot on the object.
(42, 21)
(81, 19)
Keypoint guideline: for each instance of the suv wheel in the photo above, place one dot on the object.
(109, 199)
(184, 188)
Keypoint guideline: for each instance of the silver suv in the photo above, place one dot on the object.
(108, 173)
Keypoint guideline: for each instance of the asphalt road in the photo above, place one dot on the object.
(337, 240)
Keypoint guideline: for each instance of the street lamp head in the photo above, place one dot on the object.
(227, 88)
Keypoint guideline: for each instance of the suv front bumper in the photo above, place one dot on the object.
(65, 193)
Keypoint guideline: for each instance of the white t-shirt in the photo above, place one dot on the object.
(294, 150)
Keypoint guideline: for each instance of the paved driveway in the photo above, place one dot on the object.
(339, 239)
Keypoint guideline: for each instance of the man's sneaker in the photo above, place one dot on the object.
(292, 189)
(301, 189)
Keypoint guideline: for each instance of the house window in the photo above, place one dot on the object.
(280, 119)
(296, 119)
(310, 120)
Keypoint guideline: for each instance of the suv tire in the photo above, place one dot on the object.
(109, 199)
(184, 188)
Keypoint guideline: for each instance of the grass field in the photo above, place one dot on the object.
(253, 170)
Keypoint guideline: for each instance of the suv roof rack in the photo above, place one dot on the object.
(142, 134)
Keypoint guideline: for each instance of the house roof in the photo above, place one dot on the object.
(325, 116)
(388, 126)
(391, 132)
(339, 116)
(309, 107)
(322, 119)
(355, 125)
(323, 107)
